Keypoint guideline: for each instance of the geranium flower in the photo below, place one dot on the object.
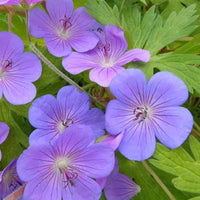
(147, 111)
(9, 180)
(67, 168)
(52, 116)
(63, 29)
(107, 59)
(118, 186)
(17, 70)
(4, 130)
(18, 2)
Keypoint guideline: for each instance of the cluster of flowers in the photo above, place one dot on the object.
(63, 160)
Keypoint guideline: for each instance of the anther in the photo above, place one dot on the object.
(140, 114)
(67, 123)
(7, 64)
(66, 22)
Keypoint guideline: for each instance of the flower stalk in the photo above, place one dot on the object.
(158, 180)
(61, 74)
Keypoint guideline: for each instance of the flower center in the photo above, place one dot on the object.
(67, 173)
(4, 66)
(65, 24)
(65, 124)
(141, 113)
(105, 49)
(61, 163)
(100, 30)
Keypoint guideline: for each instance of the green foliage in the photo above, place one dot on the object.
(151, 33)
(135, 170)
(150, 189)
(169, 29)
(148, 32)
(195, 198)
(179, 64)
(181, 164)
(177, 5)
(191, 47)
(17, 140)
(176, 26)
(102, 12)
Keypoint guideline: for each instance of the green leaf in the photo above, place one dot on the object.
(102, 12)
(171, 6)
(179, 64)
(17, 140)
(79, 3)
(144, 2)
(195, 148)
(103, 197)
(151, 33)
(181, 164)
(149, 188)
(191, 47)
(176, 26)
(195, 198)
(137, 28)
(177, 5)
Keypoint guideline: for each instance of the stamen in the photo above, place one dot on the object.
(140, 114)
(104, 49)
(67, 123)
(7, 64)
(63, 124)
(69, 175)
(66, 23)
(100, 30)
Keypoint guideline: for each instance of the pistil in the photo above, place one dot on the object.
(140, 113)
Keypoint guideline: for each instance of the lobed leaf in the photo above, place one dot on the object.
(181, 164)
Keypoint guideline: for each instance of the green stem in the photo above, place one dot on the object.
(88, 86)
(197, 126)
(195, 132)
(59, 73)
(122, 5)
(159, 181)
(10, 14)
(27, 25)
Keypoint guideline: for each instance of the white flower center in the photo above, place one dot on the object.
(62, 163)
(63, 33)
(106, 64)
(65, 24)
(63, 124)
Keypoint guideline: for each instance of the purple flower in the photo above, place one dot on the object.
(52, 116)
(17, 70)
(9, 180)
(114, 140)
(4, 130)
(118, 186)
(107, 59)
(146, 111)
(2, 2)
(63, 29)
(66, 168)
(18, 2)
